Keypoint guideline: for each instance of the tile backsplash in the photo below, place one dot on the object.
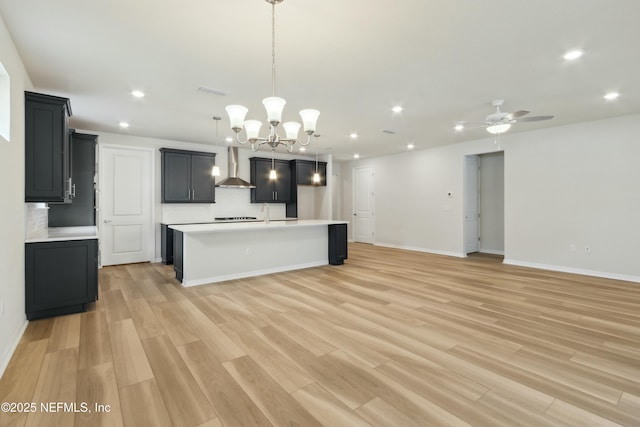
(36, 218)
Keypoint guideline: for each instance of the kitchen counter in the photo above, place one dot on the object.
(57, 234)
(253, 225)
(215, 252)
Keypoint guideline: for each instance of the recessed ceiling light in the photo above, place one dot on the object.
(353, 135)
(228, 139)
(410, 146)
(137, 93)
(573, 54)
(397, 109)
(124, 125)
(611, 96)
(303, 149)
(458, 127)
(356, 156)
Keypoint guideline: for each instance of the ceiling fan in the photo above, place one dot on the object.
(499, 122)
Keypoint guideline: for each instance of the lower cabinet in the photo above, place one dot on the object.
(337, 244)
(178, 254)
(60, 277)
(166, 244)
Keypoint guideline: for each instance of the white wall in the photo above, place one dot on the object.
(575, 184)
(491, 188)
(12, 210)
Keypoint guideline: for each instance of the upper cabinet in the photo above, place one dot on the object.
(270, 190)
(47, 148)
(304, 170)
(83, 169)
(186, 176)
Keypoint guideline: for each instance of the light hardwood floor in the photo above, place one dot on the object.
(392, 338)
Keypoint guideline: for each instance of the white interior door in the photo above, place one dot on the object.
(471, 212)
(363, 207)
(125, 205)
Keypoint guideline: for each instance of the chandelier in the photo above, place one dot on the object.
(274, 106)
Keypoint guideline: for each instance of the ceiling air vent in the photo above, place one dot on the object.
(389, 131)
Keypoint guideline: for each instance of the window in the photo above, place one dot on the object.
(5, 104)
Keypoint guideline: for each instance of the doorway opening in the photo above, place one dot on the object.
(484, 204)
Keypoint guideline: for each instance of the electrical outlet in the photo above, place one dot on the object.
(587, 249)
(572, 247)
(247, 251)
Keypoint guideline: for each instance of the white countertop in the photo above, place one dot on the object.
(253, 225)
(57, 234)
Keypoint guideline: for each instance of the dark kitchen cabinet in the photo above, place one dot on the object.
(81, 211)
(166, 244)
(337, 244)
(178, 254)
(267, 190)
(186, 176)
(47, 153)
(303, 171)
(60, 277)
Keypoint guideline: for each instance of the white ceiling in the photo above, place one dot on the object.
(442, 60)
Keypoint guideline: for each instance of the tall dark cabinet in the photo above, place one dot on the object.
(337, 244)
(186, 176)
(47, 153)
(81, 211)
(267, 190)
(60, 277)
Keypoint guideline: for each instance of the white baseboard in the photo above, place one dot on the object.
(603, 274)
(157, 260)
(245, 274)
(417, 249)
(13, 344)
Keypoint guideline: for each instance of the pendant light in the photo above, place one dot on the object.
(272, 174)
(316, 176)
(216, 169)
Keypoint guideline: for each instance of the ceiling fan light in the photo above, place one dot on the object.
(236, 113)
(274, 107)
(498, 128)
(309, 119)
(291, 129)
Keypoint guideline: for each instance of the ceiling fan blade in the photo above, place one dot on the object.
(517, 114)
(535, 118)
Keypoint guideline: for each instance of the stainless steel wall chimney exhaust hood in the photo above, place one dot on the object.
(232, 181)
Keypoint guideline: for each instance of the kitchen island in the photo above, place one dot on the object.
(210, 253)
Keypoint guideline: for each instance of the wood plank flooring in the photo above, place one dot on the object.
(391, 338)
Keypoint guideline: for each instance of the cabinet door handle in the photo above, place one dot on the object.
(276, 195)
(73, 191)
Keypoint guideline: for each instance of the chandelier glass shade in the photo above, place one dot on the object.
(274, 106)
